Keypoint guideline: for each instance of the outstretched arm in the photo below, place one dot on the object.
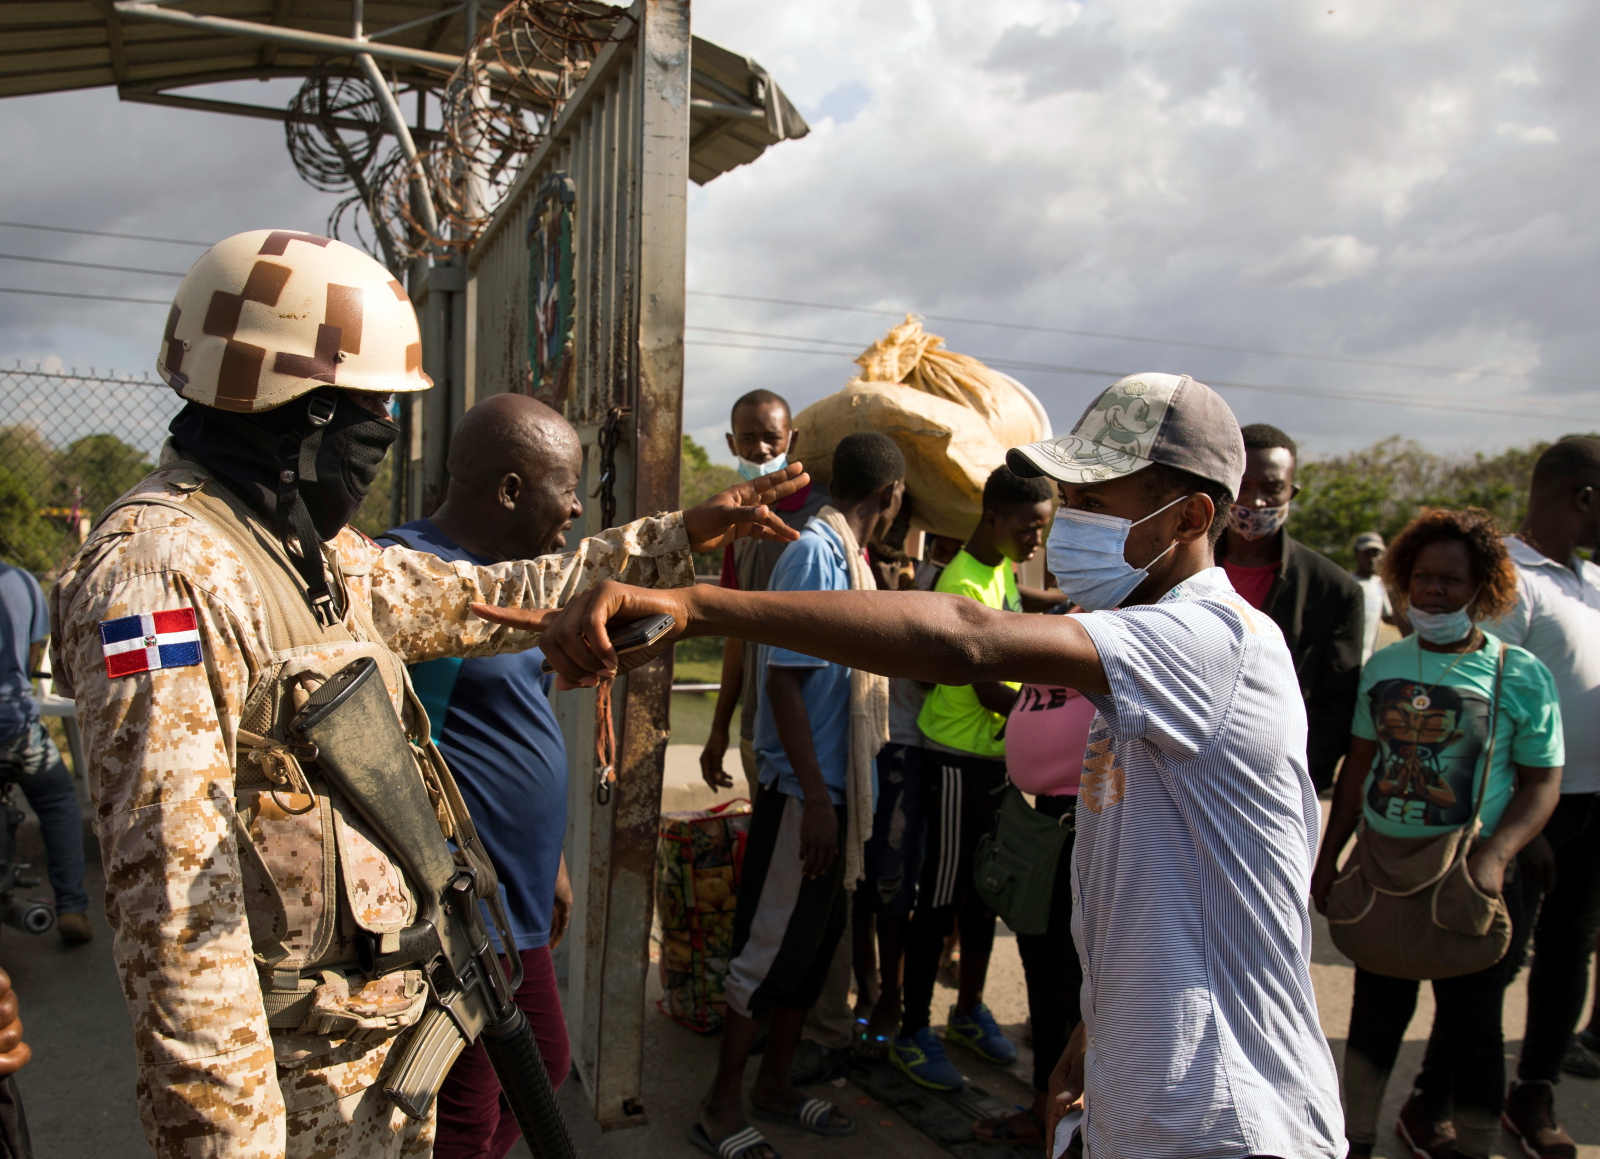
(942, 639)
(419, 601)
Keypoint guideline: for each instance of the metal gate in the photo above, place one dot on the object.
(575, 293)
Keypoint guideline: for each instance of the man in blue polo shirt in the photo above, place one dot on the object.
(514, 466)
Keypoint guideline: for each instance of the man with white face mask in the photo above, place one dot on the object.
(1196, 823)
(1317, 604)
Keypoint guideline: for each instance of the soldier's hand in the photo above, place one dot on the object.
(14, 1053)
(574, 637)
(741, 511)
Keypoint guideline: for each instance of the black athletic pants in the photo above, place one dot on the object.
(1463, 1072)
(1563, 938)
(1050, 960)
(960, 803)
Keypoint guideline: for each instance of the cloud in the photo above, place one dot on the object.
(1218, 171)
(1415, 188)
(1316, 262)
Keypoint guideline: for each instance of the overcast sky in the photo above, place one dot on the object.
(1408, 183)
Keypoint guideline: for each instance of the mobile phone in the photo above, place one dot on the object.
(632, 635)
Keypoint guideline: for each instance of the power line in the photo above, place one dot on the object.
(89, 297)
(1414, 402)
(1052, 368)
(103, 233)
(1336, 358)
(1347, 360)
(88, 265)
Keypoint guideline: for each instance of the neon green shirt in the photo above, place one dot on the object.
(951, 715)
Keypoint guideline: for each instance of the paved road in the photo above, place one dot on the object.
(80, 1097)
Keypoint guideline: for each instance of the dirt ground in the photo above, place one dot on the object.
(80, 1101)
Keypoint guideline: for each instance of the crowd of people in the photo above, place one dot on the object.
(1184, 789)
(1123, 762)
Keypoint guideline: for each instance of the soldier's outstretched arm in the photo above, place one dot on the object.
(420, 602)
(153, 658)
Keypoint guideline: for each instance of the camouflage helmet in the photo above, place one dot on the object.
(267, 316)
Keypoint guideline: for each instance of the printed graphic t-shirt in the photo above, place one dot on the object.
(951, 716)
(1045, 739)
(1431, 729)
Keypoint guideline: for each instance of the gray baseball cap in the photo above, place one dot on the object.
(1369, 539)
(1137, 421)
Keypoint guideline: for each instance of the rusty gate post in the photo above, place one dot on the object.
(663, 179)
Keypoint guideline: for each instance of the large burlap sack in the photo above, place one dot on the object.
(953, 417)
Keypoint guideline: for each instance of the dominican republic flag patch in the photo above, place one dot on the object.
(154, 640)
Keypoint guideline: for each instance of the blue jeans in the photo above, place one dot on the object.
(30, 759)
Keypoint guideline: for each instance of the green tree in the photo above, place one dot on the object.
(698, 480)
(1382, 487)
(28, 470)
(99, 468)
(26, 540)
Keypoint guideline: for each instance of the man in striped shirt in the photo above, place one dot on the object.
(1196, 823)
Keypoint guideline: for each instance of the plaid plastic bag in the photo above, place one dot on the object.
(697, 891)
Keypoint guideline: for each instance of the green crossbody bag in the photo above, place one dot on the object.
(1015, 866)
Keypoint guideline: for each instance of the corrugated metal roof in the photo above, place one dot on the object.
(65, 45)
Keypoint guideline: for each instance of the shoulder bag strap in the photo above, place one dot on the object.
(1488, 748)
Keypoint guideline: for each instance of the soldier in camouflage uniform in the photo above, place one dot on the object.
(236, 897)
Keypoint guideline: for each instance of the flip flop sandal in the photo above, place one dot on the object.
(813, 1115)
(1002, 1134)
(741, 1142)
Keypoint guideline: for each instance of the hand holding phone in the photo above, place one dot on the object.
(630, 636)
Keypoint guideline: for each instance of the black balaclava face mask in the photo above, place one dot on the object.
(306, 465)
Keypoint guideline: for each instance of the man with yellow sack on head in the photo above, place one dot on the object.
(202, 614)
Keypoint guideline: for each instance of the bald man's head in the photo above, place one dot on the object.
(515, 466)
(507, 432)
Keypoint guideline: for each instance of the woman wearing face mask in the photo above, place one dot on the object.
(1416, 770)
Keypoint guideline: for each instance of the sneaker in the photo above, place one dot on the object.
(978, 1032)
(1428, 1135)
(1530, 1115)
(74, 928)
(922, 1059)
(1580, 1061)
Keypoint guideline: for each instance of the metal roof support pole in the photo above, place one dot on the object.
(315, 41)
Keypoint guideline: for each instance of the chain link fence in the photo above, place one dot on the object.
(69, 445)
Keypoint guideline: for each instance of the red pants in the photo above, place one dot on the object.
(474, 1121)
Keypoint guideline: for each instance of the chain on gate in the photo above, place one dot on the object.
(605, 732)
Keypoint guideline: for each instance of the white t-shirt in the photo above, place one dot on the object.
(1557, 618)
(1196, 829)
(1376, 598)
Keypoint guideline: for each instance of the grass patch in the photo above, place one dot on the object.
(697, 660)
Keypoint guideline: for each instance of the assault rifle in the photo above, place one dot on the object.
(363, 752)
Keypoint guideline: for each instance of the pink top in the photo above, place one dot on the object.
(1045, 738)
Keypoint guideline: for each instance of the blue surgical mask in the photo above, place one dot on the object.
(1084, 552)
(749, 470)
(1442, 627)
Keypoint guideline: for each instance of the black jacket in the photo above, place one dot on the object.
(1319, 607)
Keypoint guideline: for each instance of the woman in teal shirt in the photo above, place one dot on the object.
(1416, 756)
